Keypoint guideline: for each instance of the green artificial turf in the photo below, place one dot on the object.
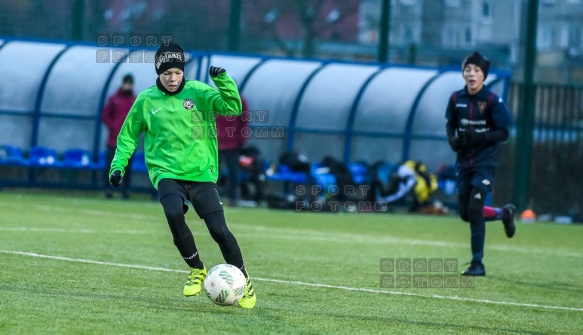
(80, 264)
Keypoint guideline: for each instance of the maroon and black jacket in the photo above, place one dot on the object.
(484, 112)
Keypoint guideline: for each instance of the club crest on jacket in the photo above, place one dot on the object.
(482, 106)
(188, 104)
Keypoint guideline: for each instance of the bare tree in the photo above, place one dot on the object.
(314, 18)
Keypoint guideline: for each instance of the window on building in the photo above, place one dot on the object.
(563, 38)
(546, 38)
(468, 36)
(486, 9)
(448, 36)
(407, 34)
(486, 12)
(454, 37)
(575, 37)
(409, 2)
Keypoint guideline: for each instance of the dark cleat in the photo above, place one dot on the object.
(475, 269)
(509, 226)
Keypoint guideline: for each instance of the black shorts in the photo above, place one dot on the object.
(481, 177)
(204, 196)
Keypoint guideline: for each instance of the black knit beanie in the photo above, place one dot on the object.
(169, 56)
(128, 78)
(477, 59)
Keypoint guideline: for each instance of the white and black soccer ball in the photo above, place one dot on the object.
(225, 284)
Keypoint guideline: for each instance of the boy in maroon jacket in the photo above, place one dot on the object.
(113, 116)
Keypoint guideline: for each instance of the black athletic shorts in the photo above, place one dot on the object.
(481, 177)
(204, 196)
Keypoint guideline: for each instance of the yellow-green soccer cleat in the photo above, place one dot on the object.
(194, 284)
(249, 298)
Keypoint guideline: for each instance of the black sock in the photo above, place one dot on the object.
(477, 224)
(187, 248)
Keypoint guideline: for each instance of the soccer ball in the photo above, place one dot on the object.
(225, 284)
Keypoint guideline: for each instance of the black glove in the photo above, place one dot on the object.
(455, 143)
(473, 137)
(215, 71)
(115, 178)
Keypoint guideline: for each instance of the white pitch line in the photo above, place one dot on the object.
(276, 233)
(291, 233)
(299, 283)
(435, 296)
(72, 231)
(310, 235)
(97, 213)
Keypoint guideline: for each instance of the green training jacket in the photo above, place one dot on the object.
(180, 139)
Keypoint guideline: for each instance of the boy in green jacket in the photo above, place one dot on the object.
(177, 117)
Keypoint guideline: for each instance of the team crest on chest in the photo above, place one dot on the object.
(188, 104)
(482, 106)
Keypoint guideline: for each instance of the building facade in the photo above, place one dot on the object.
(441, 32)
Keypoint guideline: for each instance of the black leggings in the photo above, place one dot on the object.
(174, 210)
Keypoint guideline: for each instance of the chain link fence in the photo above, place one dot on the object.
(345, 30)
(276, 27)
(324, 29)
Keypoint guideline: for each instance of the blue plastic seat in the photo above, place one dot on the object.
(39, 156)
(78, 159)
(139, 162)
(100, 165)
(12, 156)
